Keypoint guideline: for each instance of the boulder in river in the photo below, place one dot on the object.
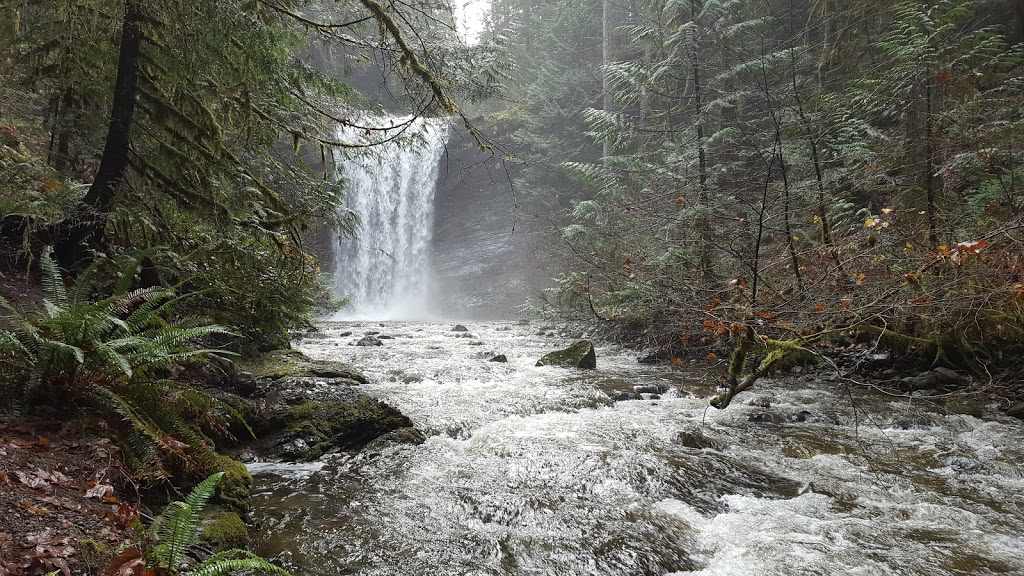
(579, 355)
(369, 340)
(460, 328)
(499, 358)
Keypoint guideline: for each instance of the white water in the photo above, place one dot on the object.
(534, 471)
(386, 267)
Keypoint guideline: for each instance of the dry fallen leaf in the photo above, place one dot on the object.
(99, 491)
(128, 563)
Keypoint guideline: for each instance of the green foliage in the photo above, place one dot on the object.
(104, 354)
(177, 528)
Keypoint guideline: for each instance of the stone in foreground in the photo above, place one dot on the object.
(579, 355)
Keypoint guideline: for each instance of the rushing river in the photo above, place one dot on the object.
(530, 471)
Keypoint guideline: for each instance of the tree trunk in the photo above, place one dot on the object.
(704, 223)
(606, 58)
(83, 228)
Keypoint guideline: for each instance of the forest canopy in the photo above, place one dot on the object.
(778, 170)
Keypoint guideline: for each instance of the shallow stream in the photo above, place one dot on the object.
(530, 471)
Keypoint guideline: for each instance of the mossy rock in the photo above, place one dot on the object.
(93, 555)
(226, 532)
(279, 364)
(233, 490)
(579, 355)
(408, 436)
(340, 424)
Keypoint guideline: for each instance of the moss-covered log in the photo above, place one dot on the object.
(780, 355)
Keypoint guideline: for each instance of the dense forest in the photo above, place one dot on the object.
(795, 172)
(752, 183)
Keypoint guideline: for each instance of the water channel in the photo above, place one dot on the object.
(531, 471)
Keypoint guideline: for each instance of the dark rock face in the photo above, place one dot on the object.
(460, 328)
(499, 358)
(1017, 411)
(369, 340)
(579, 355)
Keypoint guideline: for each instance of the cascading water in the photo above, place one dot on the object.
(390, 187)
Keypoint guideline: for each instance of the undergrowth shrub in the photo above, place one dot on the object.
(102, 357)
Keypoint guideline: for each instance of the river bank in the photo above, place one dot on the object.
(436, 441)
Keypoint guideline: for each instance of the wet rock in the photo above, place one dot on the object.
(345, 334)
(293, 449)
(765, 418)
(760, 402)
(372, 333)
(650, 389)
(926, 381)
(410, 436)
(369, 340)
(947, 377)
(626, 396)
(385, 337)
(697, 440)
(460, 328)
(965, 466)
(654, 397)
(1017, 411)
(312, 429)
(464, 335)
(877, 361)
(499, 358)
(336, 370)
(579, 355)
(245, 384)
(806, 416)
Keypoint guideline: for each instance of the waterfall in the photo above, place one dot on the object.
(390, 187)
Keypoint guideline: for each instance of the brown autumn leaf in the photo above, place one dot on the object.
(99, 491)
(677, 362)
(3, 478)
(710, 358)
(43, 442)
(127, 563)
(819, 308)
(32, 481)
(61, 503)
(34, 510)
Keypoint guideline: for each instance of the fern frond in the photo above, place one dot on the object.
(231, 560)
(53, 281)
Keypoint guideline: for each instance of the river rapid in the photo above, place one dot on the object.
(530, 471)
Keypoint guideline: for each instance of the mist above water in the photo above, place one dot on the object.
(385, 268)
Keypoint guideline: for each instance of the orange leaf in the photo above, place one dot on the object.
(736, 327)
(713, 304)
(44, 443)
(710, 359)
(766, 315)
(846, 303)
(819, 308)
(677, 362)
